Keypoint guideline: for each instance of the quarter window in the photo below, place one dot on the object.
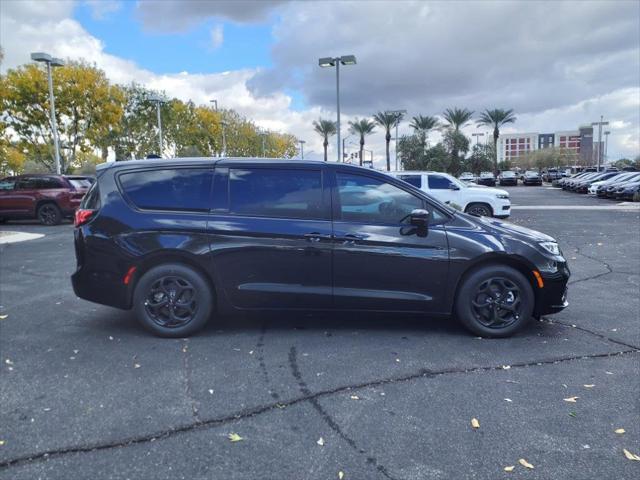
(276, 192)
(168, 189)
(368, 200)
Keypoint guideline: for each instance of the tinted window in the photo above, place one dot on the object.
(415, 180)
(48, 183)
(168, 189)
(7, 184)
(368, 200)
(437, 182)
(79, 182)
(275, 192)
(92, 199)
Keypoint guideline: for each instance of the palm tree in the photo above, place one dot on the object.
(456, 119)
(496, 118)
(363, 128)
(422, 124)
(387, 120)
(326, 129)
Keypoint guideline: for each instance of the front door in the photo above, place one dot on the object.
(380, 262)
(270, 233)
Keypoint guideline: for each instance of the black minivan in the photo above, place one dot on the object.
(181, 240)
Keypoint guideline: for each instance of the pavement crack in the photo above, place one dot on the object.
(261, 361)
(307, 396)
(597, 260)
(329, 420)
(186, 364)
(592, 332)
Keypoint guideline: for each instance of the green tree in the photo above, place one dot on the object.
(481, 159)
(422, 124)
(454, 140)
(362, 128)
(626, 162)
(496, 118)
(387, 120)
(326, 129)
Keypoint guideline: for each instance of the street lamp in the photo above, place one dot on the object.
(600, 124)
(51, 62)
(477, 135)
(399, 114)
(301, 142)
(215, 103)
(158, 101)
(606, 144)
(335, 62)
(224, 139)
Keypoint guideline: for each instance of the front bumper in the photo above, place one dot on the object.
(552, 298)
(501, 208)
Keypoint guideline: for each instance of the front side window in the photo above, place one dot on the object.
(276, 192)
(368, 200)
(415, 180)
(438, 182)
(181, 189)
(7, 184)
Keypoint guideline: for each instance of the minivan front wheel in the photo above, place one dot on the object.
(172, 300)
(495, 301)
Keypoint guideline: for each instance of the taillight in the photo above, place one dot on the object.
(83, 215)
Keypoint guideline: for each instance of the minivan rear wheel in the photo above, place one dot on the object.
(172, 300)
(495, 301)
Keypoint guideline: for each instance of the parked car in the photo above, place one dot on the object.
(572, 181)
(611, 191)
(531, 177)
(467, 177)
(507, 178)
(487, 178)
(486, 201)
(583, 186)
(181, 240)
(48, 198)
(627, 191)
(624, 176)
(551, 174)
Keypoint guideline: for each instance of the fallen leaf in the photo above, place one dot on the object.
(136, 365)
(2, 317)
(398, 360)
(340, 475)
(355, 397)
(234, 437)
(475, 423)
(211, 391)
(1, 443)
(320, 441)
(8, 361)
(506, 367)
(76, 351)
(620, 431)
(110, 337)
(184, 349)
(609, 373)
(524, 463)
(508, 400)
(631, 456)
(509, 468)
(589, 386)
(571, 399)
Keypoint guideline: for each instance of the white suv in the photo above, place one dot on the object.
(485, 201)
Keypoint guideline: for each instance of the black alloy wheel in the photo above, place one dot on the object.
(479, 209)
(49, 214)
(172, 301)
(497, 303)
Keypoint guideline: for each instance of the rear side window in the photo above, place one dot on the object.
(181, 189)
(415, 180)
(437, 182)
(276, 192)
(91, 200)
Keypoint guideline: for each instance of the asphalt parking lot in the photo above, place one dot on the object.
(86, 393)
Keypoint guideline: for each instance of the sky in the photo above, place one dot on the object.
(557, 64)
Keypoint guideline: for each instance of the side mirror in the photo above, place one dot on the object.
(453, 186)
(419, 217)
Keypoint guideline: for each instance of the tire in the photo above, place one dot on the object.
(49, 214)
(183, 300)
(481, 209)
(485, 288)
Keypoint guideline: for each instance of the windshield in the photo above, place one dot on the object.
(508, 174)
(531, 172)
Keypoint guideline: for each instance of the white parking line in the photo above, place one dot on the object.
(13, 237)
(620, 207)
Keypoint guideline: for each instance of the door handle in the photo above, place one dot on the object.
(316, 237)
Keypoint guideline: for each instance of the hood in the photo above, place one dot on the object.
(491, 190)
(511, 229)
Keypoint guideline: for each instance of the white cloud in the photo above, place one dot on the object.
(217, 36)
(101, 9)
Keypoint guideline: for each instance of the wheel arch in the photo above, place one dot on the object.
(518, 263)
(481, 202)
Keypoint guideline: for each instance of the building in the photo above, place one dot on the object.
(513, 145)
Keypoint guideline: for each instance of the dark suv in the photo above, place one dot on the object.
(176, 240)
(48, 198)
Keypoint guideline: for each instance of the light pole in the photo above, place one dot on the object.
(343, 147)
(335, 62)
(399, 114)
(301, 142)
(158, 101)
(215, 103)
(51, 62)
(600, 125)
(224, 140)
(477, 135)
(606, 144)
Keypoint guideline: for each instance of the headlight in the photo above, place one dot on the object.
(551, 247)
(502, 195)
